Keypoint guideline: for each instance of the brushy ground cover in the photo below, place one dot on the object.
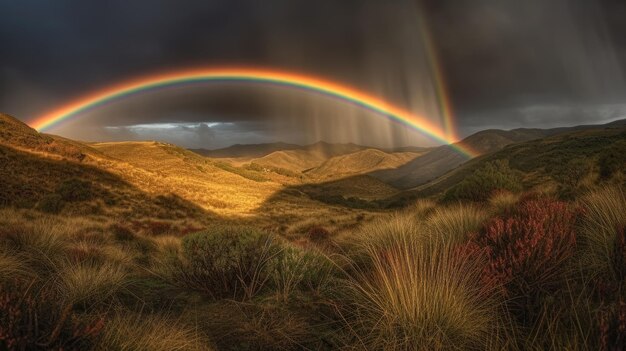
(516, 271)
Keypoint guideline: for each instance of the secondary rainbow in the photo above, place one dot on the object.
(263, 76)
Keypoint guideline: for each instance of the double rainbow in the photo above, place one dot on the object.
(261, 76)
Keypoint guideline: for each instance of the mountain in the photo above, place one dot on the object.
(361, 162)
(444, 158)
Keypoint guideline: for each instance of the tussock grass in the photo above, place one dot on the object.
(605, 218)
(11, 266)
(503, 201)
(91, 283)
(128, 332)
(453, 224)
(420, 295)
(257, 326)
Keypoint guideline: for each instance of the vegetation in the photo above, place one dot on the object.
(493, 176)
(521, 255)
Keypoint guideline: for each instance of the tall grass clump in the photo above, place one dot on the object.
(89, 283)
(126, 332)
(602, 233)
(226, 261)
(454, 224)
(419, 294)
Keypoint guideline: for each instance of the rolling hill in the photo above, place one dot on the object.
(538, 161)
(443, 159)
(360, 162)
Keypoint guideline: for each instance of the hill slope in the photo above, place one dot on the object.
(444, 159)
(361, 162)
(49, 173)
(538, 160)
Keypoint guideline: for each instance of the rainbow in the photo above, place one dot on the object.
(293, 80)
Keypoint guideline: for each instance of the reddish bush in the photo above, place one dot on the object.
(528, 250)
(318, 234)
(612, 323)
(35, 321)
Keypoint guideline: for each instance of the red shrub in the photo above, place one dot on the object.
(318, 234)
(612, 322)
(527, 251)
(35, 321)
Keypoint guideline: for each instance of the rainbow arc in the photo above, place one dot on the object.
(258, 76)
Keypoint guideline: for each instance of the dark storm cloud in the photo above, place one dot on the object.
(507, 63)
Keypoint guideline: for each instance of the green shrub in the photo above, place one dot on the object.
(612, 160)
(51, 203)
(301, 270)
(75, 190)
(495, 175)
(227, 261)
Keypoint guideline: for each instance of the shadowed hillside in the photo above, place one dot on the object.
(581, 155)
(443, 159)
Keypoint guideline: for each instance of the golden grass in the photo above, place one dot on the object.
(605, 216)
(130, 332)
(91, 283)
(453, 224)
(503, 201)
(12, 265)
(419, 294)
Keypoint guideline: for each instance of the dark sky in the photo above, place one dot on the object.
(507, 64)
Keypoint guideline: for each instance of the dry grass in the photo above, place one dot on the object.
(127, 332)
(91, 283)
(452, 225)
(503, 201)
(11, 266)
(605, 217)
(419, 295)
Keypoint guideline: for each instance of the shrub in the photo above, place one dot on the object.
(301, 270)
(528, 252)
(318, 234)
(495, 175)
(612, 325)
(51, 203)
(75, 190)
(421, 295)
(32, 319)
(612, 160)
(227, 261)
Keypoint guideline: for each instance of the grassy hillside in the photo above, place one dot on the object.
(545, 162)
(247, 151)
(360, 162)
(213, 185)
(445, 158)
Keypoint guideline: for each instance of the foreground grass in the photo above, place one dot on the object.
(514, 272)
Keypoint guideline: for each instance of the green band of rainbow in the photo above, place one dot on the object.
(262, 76)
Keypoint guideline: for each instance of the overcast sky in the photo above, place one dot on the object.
(506, 64)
